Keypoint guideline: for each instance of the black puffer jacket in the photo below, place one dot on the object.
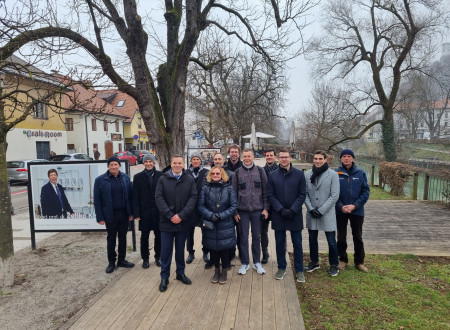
(218, 198)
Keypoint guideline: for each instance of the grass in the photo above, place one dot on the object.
(400, 291)
(377, 193)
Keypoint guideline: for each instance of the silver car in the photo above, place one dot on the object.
(70, 157)
(18, 169)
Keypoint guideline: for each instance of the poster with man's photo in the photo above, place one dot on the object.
(62, 195)
(206, 154)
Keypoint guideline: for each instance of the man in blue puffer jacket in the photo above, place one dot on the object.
(354, 193)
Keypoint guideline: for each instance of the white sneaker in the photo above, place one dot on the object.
(259, 268)
(243, 269)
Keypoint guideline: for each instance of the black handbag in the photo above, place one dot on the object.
(206, 224)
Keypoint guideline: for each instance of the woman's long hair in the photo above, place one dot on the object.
(223, 174)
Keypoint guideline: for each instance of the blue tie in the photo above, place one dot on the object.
(59, 196)
(177, 177)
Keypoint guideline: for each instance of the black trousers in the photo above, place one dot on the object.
(264, 236)
(145, 253)
(117, 229)
(190, 242)
(222, 255)
(356, 223)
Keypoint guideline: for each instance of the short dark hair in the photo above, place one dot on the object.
(234, 146)
(270, 150)
(284, 150)
(248, 150)
(176, 156)
(321, 152)
(50, 171)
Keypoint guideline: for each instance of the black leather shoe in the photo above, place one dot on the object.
(208, 264)
(158, 262)
(206, 257)
(190, 258)
(265, 258)
(145, 264)
(183, 278)
(110, 267)
(164, 284)
(124, 263)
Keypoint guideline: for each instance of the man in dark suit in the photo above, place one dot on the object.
(54, 202)
(145, 210)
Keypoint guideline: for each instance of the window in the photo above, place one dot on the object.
(95, 146)
(40, 111)
(94, 124)
(69, 124)
(120, 103)
(446, 114)
(445, 124)
(105, 126)
(421, 124)
(117, 126)
(70, 147)
(120, 146)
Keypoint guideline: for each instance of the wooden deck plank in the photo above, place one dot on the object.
(218, 309)
(268, 308)
(206, 306)
(256, 301)
(243, 308)
(231, 306)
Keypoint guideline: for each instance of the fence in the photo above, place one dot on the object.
(420, 186)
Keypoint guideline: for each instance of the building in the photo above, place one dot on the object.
(92, 123)
(135, 133)
(37, 96)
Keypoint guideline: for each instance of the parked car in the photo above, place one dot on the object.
(123, 155)
(140, 155)
(18, 169)
(70, 157)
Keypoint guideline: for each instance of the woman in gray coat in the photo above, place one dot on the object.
(322, 193)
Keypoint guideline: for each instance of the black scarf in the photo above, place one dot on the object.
(149, 175)
(318, 171)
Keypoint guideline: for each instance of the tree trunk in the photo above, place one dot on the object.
(6, 234)
(388, 140)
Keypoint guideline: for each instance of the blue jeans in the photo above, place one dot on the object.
(280, 238)
(332, 247)
(167, 239)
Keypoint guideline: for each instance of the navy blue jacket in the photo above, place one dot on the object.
(50, 204)
(103, 202)
(354, 189)
(223, 237)
(287, 189)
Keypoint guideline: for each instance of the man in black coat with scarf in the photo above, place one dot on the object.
(145, 210)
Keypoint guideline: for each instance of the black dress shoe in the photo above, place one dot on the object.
(183, 278)
(158, 262)
(110, 267)
(145, 264)
(164, 284)
(209, 264)
(190, 258)
(124, 263)
(265, 258)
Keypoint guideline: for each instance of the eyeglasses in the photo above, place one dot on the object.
(284, 157)
(215, 173)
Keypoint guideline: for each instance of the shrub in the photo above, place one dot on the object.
(395, 175)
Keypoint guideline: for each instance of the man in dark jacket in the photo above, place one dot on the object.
(198, 173)
(176, 198)
(54, 203)
(145, 210)
(287, 193)
(354, 193)
(112, 203)
(271, 165)
(250, 184)
(234, 161)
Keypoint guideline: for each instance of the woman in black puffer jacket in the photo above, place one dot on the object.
(217, 203)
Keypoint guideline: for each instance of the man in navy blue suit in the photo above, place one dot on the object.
(54, 202)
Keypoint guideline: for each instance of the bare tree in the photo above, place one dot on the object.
(383, 39)
(160, 95)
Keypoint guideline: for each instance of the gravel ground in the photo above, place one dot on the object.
(56, 280)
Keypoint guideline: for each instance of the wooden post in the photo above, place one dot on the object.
(425, 188)
(372, 176)
(415, 185)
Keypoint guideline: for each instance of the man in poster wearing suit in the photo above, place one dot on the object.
(54, 202)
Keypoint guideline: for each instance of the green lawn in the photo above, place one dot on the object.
(377, 193)
(399, 292)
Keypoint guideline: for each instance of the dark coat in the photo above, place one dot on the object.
(103, 202)
(174, 196)
(199, 182)
(50, 204)
(223, 237)
(354, 189)
(228, 165)
(144, 205)
(287, 189)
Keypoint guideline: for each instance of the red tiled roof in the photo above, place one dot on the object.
(129, 107)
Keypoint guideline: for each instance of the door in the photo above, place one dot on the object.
(108, 149)
(42, 150)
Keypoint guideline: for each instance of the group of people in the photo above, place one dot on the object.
(231, 200)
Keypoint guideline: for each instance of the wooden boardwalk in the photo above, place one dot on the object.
(251, 301)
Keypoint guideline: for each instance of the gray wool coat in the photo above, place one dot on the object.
(323, 195)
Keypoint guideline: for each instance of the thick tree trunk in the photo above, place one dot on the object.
(388, 140)
(6, 234)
